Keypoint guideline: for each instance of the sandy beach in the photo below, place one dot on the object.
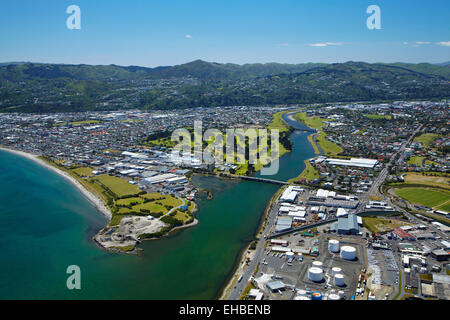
(94, 199)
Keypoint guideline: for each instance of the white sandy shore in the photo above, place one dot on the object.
(94, 199)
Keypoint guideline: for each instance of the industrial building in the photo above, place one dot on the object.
(160, 178)
(440, 254)
(347, 202)
(283, 223)
(290, 194)
(346, 225)
(275, 286)
(403, 235)
(354, 162)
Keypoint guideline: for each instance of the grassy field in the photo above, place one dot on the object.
(377, 225)
(444, 207)
(129, 201)
(309, 173)
(83, 171)
(378, 116)
(328, 148)
(182, 216)
(278, 122)
(162, 142)
(79, 123)
(118, 186)
(426, 139)
(312, 122)
(311, 140)
(416, 161)
(418, 178)
(121, 208)
(151, 206)
(432, 198)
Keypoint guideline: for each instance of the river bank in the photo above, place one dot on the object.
(285, 173)
(94, 199)
(246, 253)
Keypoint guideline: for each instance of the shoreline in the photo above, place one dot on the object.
(242, 257)
(244, 254)
(92, 198)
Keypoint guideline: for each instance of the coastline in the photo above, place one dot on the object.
(246, 253)
(94, 199)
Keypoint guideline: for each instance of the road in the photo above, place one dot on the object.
(236, 291)
(375, 188)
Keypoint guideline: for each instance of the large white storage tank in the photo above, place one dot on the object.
(339, 280)
(317, 264)
(336, 270)
(333, 296)
(301, 298)
(315, 274)
(333, 245)
(348, 253)
(302, 292)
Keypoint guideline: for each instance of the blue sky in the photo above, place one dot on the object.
(153, 33)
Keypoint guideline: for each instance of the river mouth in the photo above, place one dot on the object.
(44, 233)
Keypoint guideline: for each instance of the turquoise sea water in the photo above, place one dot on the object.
(46, 225)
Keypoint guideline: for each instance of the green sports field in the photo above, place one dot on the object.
(118, 186)
(432, 198)
(426, 139)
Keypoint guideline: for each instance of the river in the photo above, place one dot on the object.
(46, 225)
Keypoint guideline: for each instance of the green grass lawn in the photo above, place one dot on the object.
(83, 171)
(278, 122)
(309, 173)
(311, 140)
(328, 148)
(429, 180)
(378, 116)
(428, 197)
(182, 216)
(377, 225)
(128, 201)
(79, 123)
(426, 139)
(312, 122)
(118, 186)
(151, 206)
(445, 207)
(416, 161)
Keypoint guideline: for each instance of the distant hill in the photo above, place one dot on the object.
(36, 87)
(427, 68)
(443, 64)
(197, 69)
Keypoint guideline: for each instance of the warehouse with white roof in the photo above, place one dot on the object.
(354, 162)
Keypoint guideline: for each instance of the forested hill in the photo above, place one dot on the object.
(33, 87)
(197, 69)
